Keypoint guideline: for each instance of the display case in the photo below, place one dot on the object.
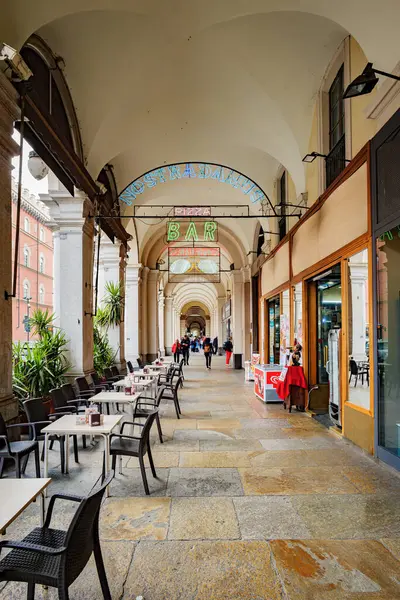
(265, 381)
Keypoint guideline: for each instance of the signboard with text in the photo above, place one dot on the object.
(189, 264)
(192, 231)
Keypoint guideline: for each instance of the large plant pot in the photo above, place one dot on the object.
(48, 404)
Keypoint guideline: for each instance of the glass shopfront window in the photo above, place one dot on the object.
(358, 331)
(388, 340)
(298, 316)
(274, 336)
(329, 316)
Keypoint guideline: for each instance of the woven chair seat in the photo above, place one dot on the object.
(19, 448)
(43, 568)
(125, 445)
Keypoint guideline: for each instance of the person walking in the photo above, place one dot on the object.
(228, 347)
(215, 345)
(185, 347)
(207, 348)
(176, 350)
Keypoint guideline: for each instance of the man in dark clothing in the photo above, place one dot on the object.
(215, 345)
(185, 347)
(207, 347)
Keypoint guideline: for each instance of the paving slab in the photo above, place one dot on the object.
(203, 519)
(135, 518)
(269, 517)
(204, 482)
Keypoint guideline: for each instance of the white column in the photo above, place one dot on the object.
(152, 313)
(143, 325)
(220, 324)
(109, 271)
(238, 316)
(73, 275)
(161, 332)
(169, 324)
(132, 279)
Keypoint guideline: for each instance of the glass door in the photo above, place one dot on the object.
(274, 330)
(329, 316)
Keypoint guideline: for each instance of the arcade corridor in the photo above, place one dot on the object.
(250, 503)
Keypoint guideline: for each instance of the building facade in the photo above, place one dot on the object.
(35, 262)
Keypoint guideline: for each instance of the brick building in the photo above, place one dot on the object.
(35, 263)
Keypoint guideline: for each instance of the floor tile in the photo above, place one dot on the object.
(372, 480)
(176, 445)
(161, 460)
(219, 424)
(130, 483)
(214, 459)
(352, 516)
(135, 518)
(203, 571)
(203, 519)
(230, 445)
(393, 544)
(280, 458)
(269, 517)
(309, 480)
(300, 444)
(201, 435)
(332, 570)
(204, 482)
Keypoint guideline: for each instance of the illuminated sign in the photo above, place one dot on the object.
(192, 211)
(189, 264)
(196, 171)
(206, 231)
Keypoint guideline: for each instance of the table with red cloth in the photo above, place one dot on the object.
(291, 389)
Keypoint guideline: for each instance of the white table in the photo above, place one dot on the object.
(16, 495)
(67, 426)
(116, 398)
(147, 380)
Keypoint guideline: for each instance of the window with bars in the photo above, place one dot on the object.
(26, 257)
(335, 162)
(41, 264)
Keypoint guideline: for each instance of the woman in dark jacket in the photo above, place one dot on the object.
(207, 348)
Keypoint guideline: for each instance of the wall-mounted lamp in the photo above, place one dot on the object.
(309, 158)
(365, 83)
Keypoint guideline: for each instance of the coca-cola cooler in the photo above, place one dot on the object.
(265, 381)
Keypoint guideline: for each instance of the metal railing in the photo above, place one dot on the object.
(335, 161)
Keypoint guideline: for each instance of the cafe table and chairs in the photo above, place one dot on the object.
(16, 495)
(68, 425)
(120, 398)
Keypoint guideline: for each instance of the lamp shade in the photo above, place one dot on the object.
(363, 84)
(37, 167)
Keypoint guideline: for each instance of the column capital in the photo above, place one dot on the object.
(132, 273)
(153, 275)
(66, 211)
(145, 273)
(237, 276)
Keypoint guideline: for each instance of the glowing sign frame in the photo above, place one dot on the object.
(193, 254)
(194, 170)
(210, 231)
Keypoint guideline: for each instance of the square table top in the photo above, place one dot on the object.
(67, 424)
(121, 397)
(143, 382)
(16, 495)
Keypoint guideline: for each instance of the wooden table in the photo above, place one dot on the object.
(16, 495)
(67, 426)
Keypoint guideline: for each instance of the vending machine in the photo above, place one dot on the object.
(333, 370)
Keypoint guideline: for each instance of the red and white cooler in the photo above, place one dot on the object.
(265, 381)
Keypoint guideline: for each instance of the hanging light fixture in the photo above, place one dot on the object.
(365, 83)
(37, 167)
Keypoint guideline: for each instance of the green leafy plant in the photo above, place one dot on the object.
(103, 354)
(40, 367)
(112, 310)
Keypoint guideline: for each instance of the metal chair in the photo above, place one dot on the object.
(130, 366)
(116, 373)
(60, 405)
(18, 450)
(98, 382)
(357, 372)
(152, 404)
(54, 557)
(84, 387)
(137, 446)
(71, 396)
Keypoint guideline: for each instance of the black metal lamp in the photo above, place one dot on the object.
(365, 83)
(309, 158)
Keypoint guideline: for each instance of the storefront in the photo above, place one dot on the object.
(321, 300)
(385, 182)
(226, 318)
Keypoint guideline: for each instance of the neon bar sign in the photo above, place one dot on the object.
(193, 252)
(177, 233)
(192, 171)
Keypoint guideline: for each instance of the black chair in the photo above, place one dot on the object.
(170, 392)
(140, 363)
(116, 373)
(98, 382)
(143, 409)
(60, 405)
(83, 386)
(130, 445)
(54, 557)
(357, 372)
(164, 378)
(17, 450)
(78, 399)
(37, 415)
(130, 366)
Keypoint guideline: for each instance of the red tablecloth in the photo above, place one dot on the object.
(294, 376)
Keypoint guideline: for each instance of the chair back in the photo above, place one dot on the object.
(159, 396)
(353, 367)
(144, 438)
(140, 363)
(58, 397)
(177, 384)
(68, 391)
(114, 371)
(96, 378)
(108, 373)
(36, 411)
(82, 384)
(130, 366)
(82, 533)
(3, 432)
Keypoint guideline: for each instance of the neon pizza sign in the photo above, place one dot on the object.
(194, 170)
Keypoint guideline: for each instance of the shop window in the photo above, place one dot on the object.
(282, 201)
(358, 330)
(274, 330)
(41, 264)
(298, 317)
(26, 225)
(335, 162)
(26, 257)
(388, 350)
(284, 328)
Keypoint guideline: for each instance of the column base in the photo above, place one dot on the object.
(9, 408)
(150, 357)
(237, 361)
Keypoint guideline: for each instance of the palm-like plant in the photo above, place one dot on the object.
(41, 322)
(103, 355)
(112, 312)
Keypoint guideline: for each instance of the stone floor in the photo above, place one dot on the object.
(250, 503)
